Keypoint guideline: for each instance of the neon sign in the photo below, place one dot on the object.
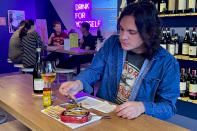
(82, 13)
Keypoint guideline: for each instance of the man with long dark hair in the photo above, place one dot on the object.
(135, 71)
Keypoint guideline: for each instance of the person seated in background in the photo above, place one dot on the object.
(29, 40)
(15, 47)
(136, 73)
(57, 38)
(87, 42)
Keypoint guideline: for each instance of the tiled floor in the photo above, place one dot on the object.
(12, 124)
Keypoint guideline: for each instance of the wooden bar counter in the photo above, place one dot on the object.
(17, 99)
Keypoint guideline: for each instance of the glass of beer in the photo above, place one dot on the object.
(48, 73)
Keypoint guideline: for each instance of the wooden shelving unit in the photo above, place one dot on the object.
(181, 57)
(177, 15)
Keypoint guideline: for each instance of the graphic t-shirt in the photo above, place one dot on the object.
(59, 39)
(132, 66)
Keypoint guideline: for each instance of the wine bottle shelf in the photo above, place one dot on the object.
(188, 100)
(173, 15)
(185, 58)
(182, 14)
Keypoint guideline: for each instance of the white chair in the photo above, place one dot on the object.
(18, 65)
(27, 70)
(68, 72)
(9, 61)
(23, 69)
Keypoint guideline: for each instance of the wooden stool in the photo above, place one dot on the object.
(68, 72)
(20, 66)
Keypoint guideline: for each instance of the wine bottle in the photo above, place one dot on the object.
(193, 86)
(38, 82)
(99, 33)
(156, 3)
(163, 39)
(168, 37)
(186, 43)
(176, 40)
(171, 6)
(188, 78)
(191, 6)
(181, 6)
(163, 7)
(183, 83)
(171, 46)
(193, 44)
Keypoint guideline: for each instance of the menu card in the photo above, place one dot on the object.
(102, 106)
(67, 44)
(73, 40)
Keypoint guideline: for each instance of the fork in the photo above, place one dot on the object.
(103, 117)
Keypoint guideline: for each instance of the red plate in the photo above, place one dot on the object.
(75, 119)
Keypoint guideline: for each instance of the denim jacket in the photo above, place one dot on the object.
(157, 85)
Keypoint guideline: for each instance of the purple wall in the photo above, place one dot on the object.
(45, 10)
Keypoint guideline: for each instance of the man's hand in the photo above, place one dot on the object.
(71, 88)
(87, 48)
(52, 35)
(81, 42)
(130, 110)
(50, 38)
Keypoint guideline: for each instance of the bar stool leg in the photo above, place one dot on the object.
(58, 78)
(69, 77)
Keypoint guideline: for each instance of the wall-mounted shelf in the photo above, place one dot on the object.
(182, 57)
(188, 100)
(175, 15)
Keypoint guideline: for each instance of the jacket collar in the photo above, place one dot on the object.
(160, 53)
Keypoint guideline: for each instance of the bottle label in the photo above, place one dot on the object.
(163, 45)
(171, 49)
(193, 88)
(38, 49)
(171, 5)
(191, 4)
(187, 84)
(183, 86)
(156, 5)
(182, 5)
(38, 84)
(177, 49)
(192, 50)
(185, 49)
(162, 7)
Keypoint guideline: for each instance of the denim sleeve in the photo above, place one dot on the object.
(167, 94)
(94, 72)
